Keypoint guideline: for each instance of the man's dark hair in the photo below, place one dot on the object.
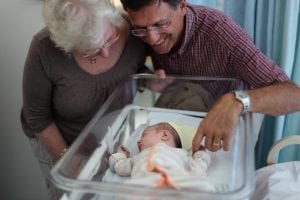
(136, 5)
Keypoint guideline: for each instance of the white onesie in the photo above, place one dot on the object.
(164, 166)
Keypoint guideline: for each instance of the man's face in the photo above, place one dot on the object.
(164, 25)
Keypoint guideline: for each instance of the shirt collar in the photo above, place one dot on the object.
(188, 31)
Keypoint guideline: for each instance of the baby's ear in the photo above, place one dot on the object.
(165, 135)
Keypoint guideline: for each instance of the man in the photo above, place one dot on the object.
(194, 40)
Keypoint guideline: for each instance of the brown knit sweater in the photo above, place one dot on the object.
(56, 89)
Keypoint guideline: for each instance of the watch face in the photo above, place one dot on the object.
(241, 94)
(243, 97)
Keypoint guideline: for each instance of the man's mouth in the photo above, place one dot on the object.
(160, 42)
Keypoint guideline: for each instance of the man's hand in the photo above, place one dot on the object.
(160, 83)
(218, 125)
(161, 73)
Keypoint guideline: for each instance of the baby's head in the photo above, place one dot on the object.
(162, 132)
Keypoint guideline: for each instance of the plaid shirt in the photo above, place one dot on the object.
(215, 46)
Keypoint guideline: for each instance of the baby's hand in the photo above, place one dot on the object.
(124, 150)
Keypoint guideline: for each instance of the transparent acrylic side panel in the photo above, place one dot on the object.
(83, 167)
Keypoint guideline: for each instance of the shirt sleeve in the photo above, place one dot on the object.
(37, 91)
(248, 62)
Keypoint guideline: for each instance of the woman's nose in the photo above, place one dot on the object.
(104, 52)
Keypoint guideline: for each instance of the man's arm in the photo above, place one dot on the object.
(220, 121)
(277, 99)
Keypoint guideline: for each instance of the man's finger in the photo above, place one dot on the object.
(209, 142)
(226, 143)
(161, 73)
(216, 143)
(197, 141)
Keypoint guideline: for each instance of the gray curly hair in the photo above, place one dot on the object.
(79, 24)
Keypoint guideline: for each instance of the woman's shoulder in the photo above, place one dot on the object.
(43, 43)
(42, 39)
(42, 34)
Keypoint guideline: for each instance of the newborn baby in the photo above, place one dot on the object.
(164, 159)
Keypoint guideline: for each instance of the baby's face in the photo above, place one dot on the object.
(150, 136)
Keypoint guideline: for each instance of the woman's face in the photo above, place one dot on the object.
(110, 37)
(103, 47)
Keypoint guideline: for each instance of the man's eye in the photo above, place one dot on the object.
(162, 24)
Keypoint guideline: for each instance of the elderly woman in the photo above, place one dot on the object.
(72, 66)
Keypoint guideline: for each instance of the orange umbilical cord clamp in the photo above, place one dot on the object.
(164, 181)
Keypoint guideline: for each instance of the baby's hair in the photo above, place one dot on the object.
(168, 127)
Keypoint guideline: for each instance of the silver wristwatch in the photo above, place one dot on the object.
(243, 97)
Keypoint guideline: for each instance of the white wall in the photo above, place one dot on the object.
(20, 175)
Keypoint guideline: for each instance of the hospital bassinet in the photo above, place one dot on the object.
(144, 99)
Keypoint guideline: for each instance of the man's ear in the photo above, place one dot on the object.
(183, 4)
(183, 7)
(165, 135)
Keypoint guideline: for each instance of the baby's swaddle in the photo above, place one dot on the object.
(169, 167)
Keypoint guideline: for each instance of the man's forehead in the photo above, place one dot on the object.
(149, 15)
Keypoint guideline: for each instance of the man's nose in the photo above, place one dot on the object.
(152, 36)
